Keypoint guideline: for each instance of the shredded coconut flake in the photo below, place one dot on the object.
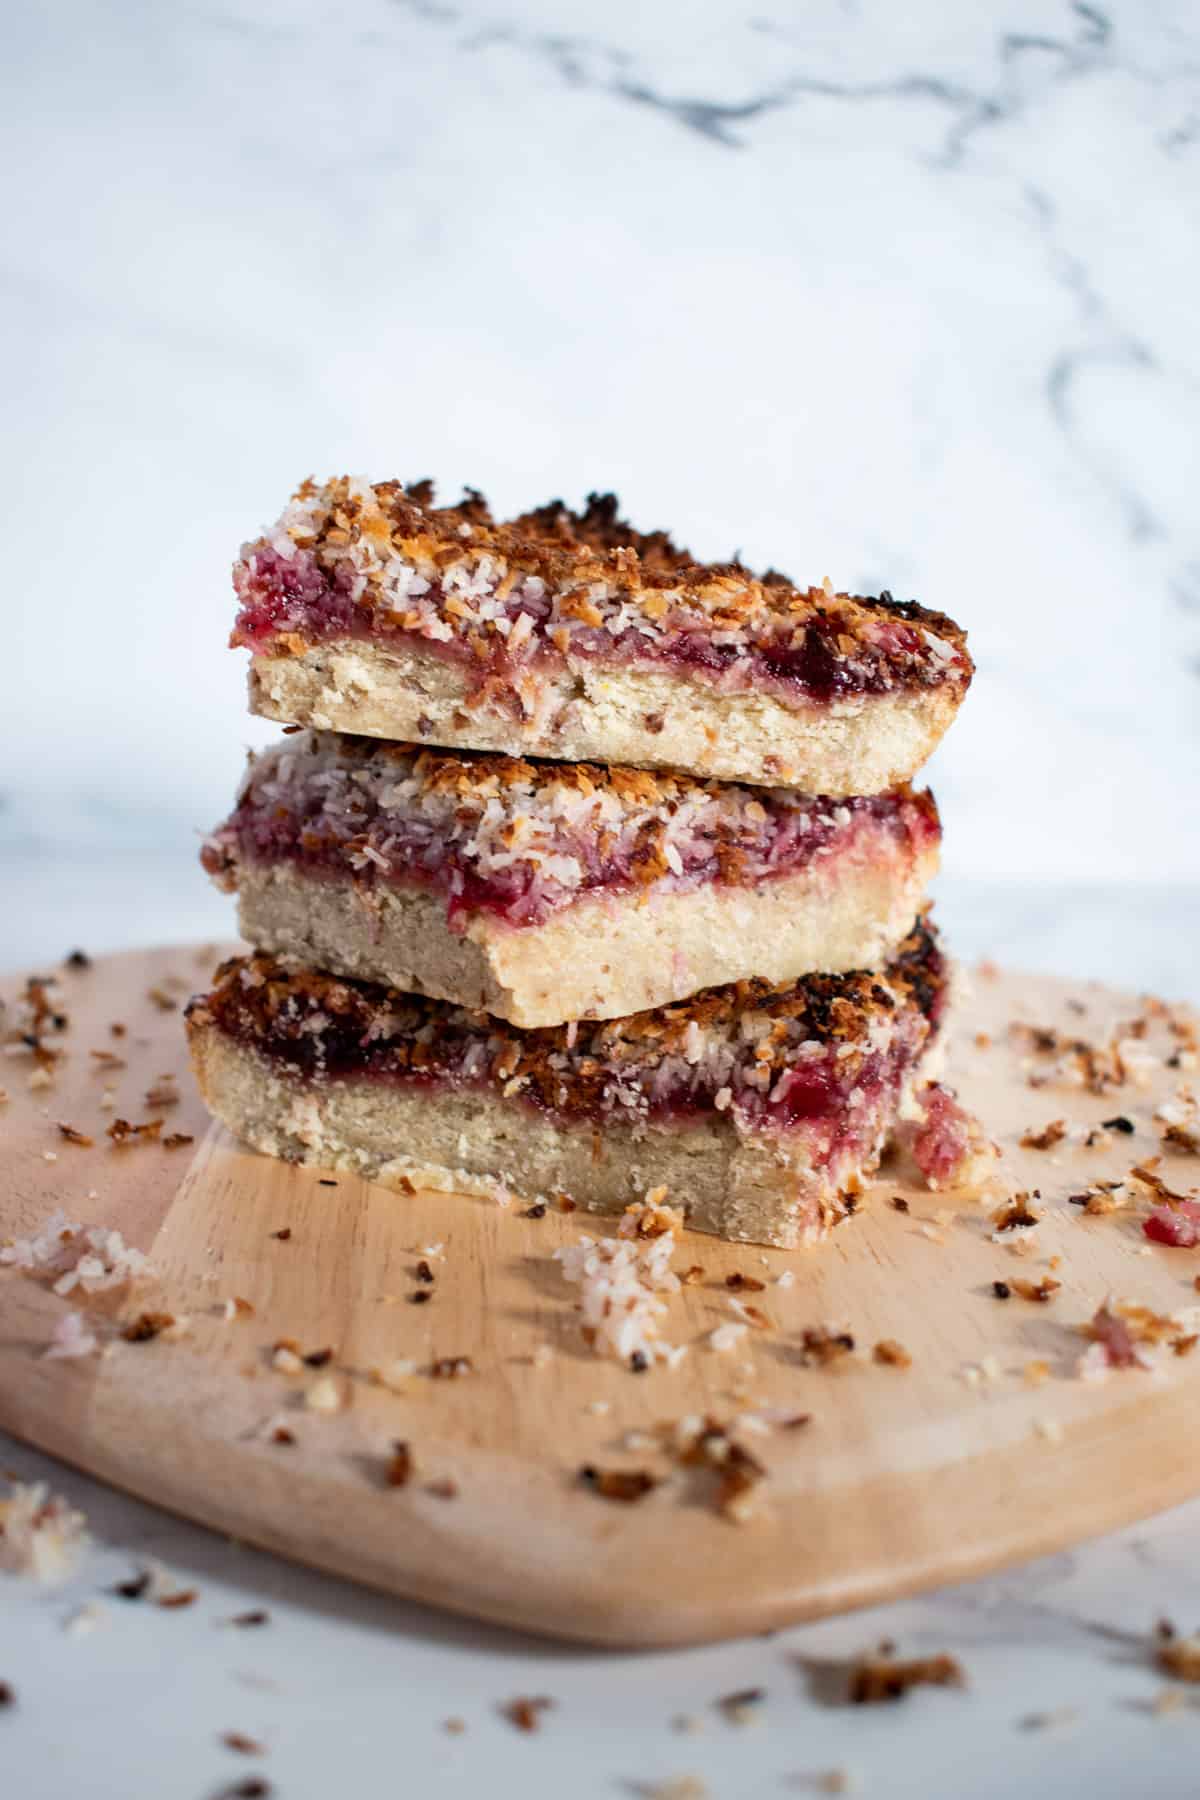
(72, 1337)
(621, 1283)
(41, 1534)
(93, 1258)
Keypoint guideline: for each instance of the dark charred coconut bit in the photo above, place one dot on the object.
(1002, 1290)
(175, 1140)
(70, 1135)
(1047, 1137)
(122, 1132)
(1016, 1214)
(78, 959)
(384, 563)
(1175, 1655)
(8, 1695)
(242, 1745)
(1041, 1291)
(744, 1284)
(819, 1346)
(249, 1620)
(743, 1707)
(399, 1467)
(283, 1234)
(519, 840)
(738, 1473)
(449, 1368)
(525, 1712)
(254, 1787)
(146, 1326)
(424, 1272)
(627, 1485)
(877, 1678)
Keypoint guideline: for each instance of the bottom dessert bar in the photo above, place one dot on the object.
(760, 1108)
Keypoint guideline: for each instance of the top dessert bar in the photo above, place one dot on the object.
(370, 610)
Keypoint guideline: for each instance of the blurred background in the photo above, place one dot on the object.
(905, 297)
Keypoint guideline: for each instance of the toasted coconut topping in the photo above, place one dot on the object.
(522, 839)
(787, 1054)
(347, 558)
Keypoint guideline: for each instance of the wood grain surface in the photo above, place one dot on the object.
(904, 1477)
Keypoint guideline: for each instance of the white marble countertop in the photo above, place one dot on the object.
(904, 295)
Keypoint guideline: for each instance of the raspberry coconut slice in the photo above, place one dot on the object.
(372, 610)
(761, 1108)
(548, 891)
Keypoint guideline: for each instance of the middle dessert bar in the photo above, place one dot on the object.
(545, 892)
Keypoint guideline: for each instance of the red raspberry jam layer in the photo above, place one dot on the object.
(520, 840)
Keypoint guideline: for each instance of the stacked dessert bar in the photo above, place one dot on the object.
(581, 868)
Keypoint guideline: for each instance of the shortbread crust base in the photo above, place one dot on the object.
(860, 745)
(599, 958)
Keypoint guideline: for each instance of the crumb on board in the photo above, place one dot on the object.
(41, 1534)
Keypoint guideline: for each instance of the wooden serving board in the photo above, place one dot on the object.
(902, 1479)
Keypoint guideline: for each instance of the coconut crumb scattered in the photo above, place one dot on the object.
(621, 1284)
(1054, 1720)
(878, 1678)
(651, 1217)
(1040, 1291)
(1046, 1138)
(894, 1355)
(1125, 1335)
(1176, 1655)
(399, 1466)
(41, 1534)
(1178, 1122)
(525, 1712)
(92, 1258)
(743, 1707)
(324, 1395)
(85, 1619)
(73, 1337)
(123, 1133)
(727, 1336)
(706, 1444)
(822, 1345)
(674, 1787)
(626, 1485)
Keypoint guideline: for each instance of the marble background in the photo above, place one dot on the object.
(904, 295)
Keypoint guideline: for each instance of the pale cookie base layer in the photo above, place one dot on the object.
(660, 721)
(600, 958)
(475, 1142)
